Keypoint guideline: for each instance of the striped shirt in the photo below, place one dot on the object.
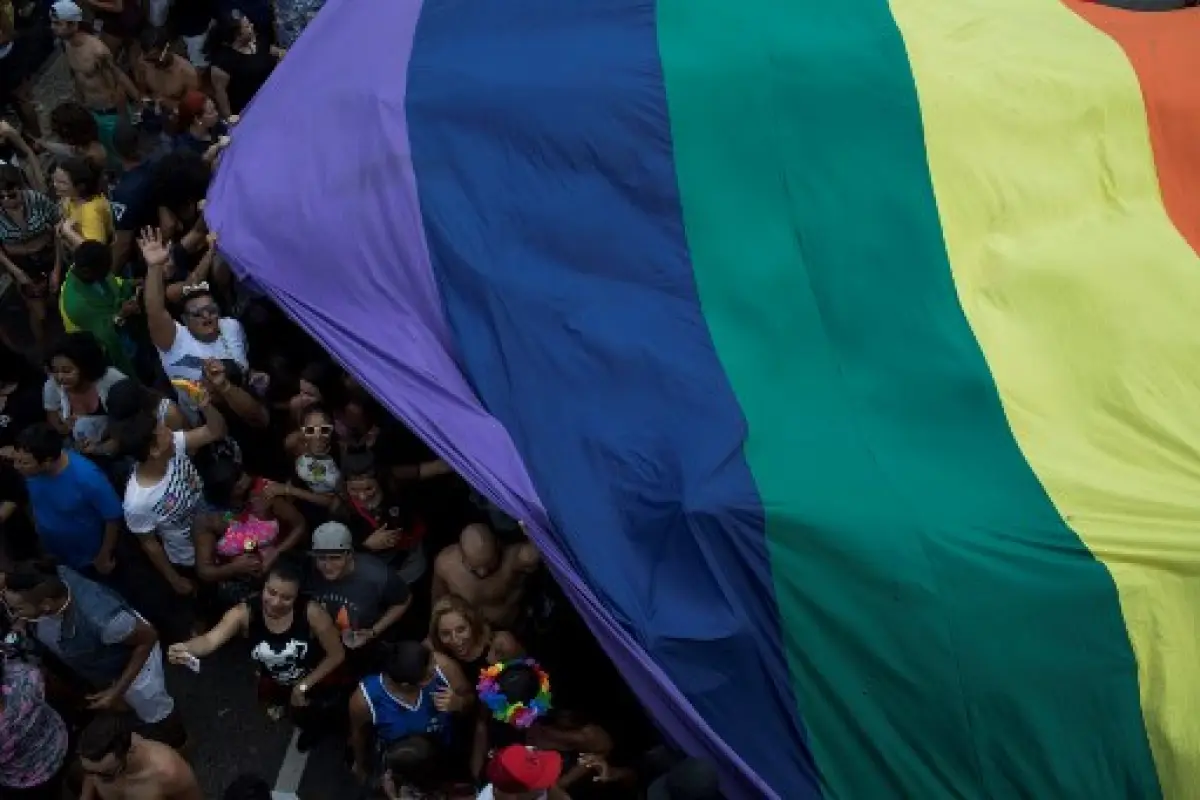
(168, 507)
(41, 215)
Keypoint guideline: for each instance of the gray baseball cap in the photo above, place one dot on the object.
(332, 537)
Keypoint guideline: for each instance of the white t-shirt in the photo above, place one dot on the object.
(168, 507)
(187, 355)
(185, 360)
(92, 426)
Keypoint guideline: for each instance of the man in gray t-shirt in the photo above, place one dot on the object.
(147, 695)
(362, 594)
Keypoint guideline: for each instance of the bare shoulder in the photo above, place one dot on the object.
(96, 48)
(450, 668)
(446, 560)
(524, 556)
(317, 616)
(168, 765)
(505, 646)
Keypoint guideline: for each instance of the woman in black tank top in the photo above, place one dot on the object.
(285, 649)
(293, 643)
(458, 631)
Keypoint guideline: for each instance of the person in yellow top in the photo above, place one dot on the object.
(92, 298)
(86, 214)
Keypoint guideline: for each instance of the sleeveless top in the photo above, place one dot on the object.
(394, 718)
(479, 663)
(288, 656)
(247, 73)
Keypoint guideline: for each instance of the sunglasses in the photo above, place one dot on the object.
(9, 191)
(317, 430)
(205, 311)
(330, 557)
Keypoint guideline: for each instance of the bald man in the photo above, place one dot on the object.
(486, 575)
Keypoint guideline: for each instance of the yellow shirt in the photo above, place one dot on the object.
(93, 217)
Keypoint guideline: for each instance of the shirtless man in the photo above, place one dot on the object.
(101, 86)
(488, 576)
(120, 765)
(164, 76)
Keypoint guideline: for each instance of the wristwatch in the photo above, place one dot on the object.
(302, 688)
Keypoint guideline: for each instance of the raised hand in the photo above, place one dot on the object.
(154, 249)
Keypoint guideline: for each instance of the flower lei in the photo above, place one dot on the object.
(519, 714)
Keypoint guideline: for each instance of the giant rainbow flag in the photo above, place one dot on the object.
(843, 357)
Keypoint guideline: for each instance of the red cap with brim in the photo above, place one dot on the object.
(524, 769)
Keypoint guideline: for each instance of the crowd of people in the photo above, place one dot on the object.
(182, 469)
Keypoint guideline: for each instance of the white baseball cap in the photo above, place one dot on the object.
(66, 11)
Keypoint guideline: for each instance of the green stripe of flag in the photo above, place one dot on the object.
(948, 635)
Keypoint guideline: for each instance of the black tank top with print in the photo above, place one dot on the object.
(288, 656)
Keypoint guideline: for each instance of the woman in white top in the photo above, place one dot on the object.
(316, 485)
(204, 334)
(165, 492)
(75, 395)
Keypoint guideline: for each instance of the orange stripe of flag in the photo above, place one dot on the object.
(1164, 49)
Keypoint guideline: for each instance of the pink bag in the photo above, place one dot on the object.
(248, 534)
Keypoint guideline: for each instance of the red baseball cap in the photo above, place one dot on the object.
(523, 769)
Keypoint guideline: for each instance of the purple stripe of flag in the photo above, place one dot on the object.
(316, 201)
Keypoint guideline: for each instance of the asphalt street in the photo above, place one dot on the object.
(230, 734)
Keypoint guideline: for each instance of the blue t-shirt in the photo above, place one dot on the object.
(71, 510)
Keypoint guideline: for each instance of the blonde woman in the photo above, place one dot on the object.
(457, 630)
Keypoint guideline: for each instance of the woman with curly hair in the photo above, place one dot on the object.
(75, 396)
(78, 135)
